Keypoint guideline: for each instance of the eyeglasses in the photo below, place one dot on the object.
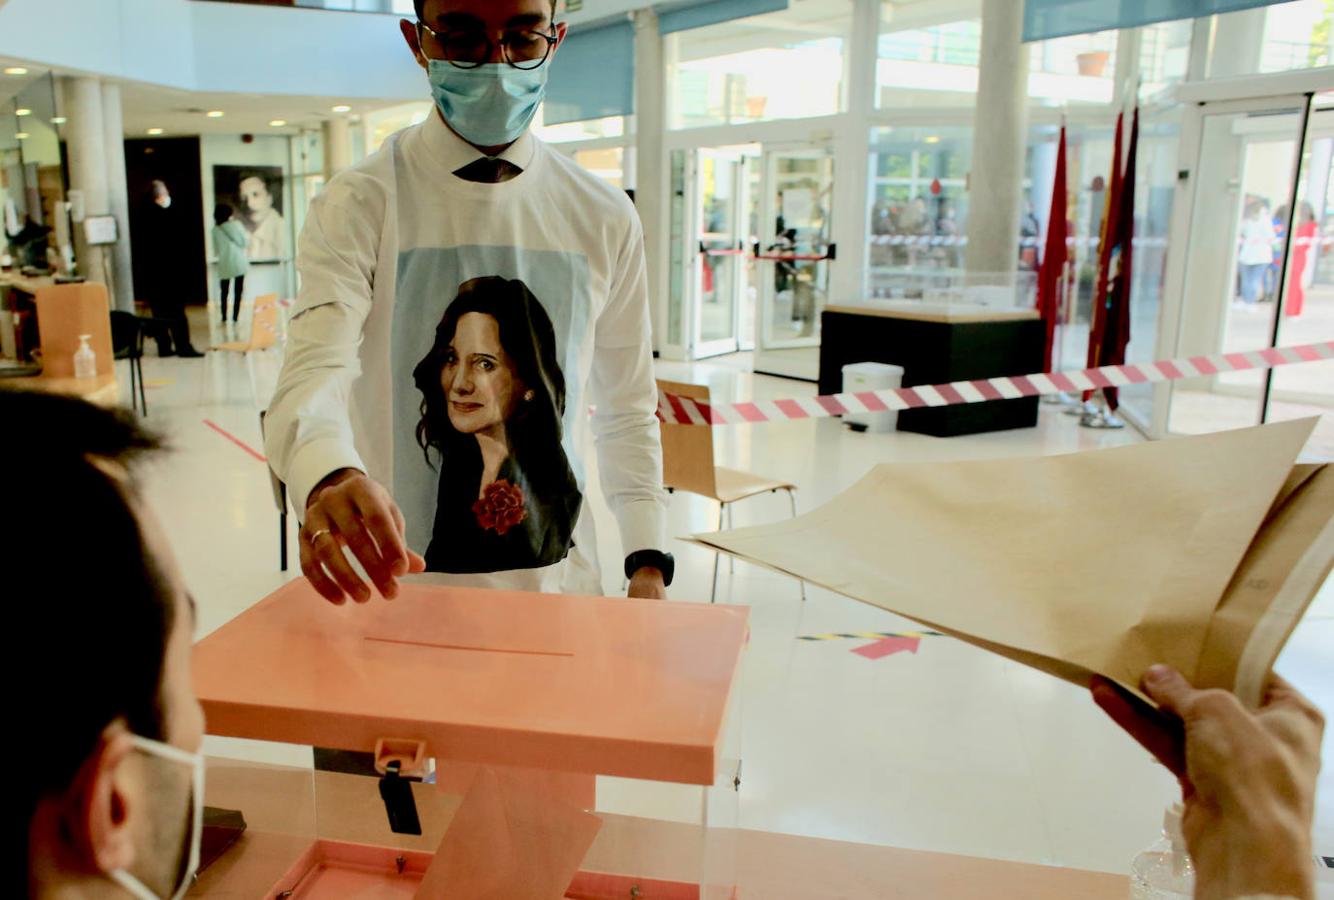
(522, 49)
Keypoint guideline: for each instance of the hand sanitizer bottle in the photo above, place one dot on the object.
(1164, 871)
(85, 360)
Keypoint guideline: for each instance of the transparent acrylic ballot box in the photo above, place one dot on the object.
(512, 746)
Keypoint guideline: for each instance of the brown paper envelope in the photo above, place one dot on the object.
(1283, 569)
(1106, 561)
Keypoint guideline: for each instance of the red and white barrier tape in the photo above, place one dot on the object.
(680, 410)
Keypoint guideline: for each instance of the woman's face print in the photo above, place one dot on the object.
(478, 376)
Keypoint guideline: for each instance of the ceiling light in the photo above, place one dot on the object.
(215, 114)
(277, 123)
(59, 120)
(22, 135)
(342, 108)
(933, 139)
(16, 70)
(22, 111)
(154, 132)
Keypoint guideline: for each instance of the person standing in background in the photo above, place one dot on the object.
(388, 246)
(1304, 236)
(229, 243)
(167, 235)
(1257, 251)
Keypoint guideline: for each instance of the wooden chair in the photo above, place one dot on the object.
(263, 335)
(687, 465)
(65, 311)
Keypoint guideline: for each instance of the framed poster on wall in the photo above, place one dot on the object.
(255, 194)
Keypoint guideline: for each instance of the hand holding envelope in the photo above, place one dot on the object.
(1198, 552)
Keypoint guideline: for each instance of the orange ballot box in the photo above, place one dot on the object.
(489, 714)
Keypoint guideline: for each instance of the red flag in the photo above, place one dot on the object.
(1116, 323)
(1054, 257)
(1111, 206)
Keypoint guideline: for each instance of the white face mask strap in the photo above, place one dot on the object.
(166, 751)
(196, 763)
(132, 885)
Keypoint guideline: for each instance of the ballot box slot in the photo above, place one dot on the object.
(434, 645)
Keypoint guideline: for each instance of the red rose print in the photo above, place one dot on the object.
(501, 507)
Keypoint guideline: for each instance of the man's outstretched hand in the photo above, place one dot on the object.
(349, 510)
(1247, 778)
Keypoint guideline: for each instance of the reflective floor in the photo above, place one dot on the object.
(948, 749)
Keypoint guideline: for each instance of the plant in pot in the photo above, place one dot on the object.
(1093, 63)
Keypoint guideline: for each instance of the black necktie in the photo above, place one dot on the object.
(488, 170)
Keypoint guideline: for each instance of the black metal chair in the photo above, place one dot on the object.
(127, 342)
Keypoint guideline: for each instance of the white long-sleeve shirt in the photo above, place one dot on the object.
(384, 250)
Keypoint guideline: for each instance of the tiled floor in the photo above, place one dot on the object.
(950, 749)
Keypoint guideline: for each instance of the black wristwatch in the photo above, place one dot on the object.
(651, 559)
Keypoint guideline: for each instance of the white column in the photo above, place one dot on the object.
(1238, 40)
(651, 187)
(1000, 126)
(337, 146)
(85, 141)
(852, 149)
(118, 198)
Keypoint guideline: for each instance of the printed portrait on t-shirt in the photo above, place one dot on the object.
(492, 401)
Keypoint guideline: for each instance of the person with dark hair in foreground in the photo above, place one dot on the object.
(1248, 779)
(109, 791)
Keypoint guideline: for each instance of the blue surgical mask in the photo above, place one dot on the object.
(489, 105)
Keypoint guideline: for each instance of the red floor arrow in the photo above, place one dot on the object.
(888, 647)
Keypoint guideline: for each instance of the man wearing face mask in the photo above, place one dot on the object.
(470, 195)
(111, 788)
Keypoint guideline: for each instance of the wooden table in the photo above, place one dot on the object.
(28, 284)
(937, 345)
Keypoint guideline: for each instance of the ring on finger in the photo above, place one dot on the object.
(315, 536)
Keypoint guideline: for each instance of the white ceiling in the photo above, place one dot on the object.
(180, 112)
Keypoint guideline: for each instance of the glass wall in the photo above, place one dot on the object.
(31, 177)
(1079, 69)
(928, 56)
(1278, 38)
(919, 205)
(307, 167)
(1164, 55)
(1155, 190)
(608, 163)
(380, 124)
(589, 129)
(780, 65)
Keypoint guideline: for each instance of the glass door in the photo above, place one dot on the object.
(795, 254)
(1245, 180)
(1304, 312)
(719, 271)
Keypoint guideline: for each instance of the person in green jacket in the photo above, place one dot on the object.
(229, 242)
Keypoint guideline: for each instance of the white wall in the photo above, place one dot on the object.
(216, 47)
(272, 50)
